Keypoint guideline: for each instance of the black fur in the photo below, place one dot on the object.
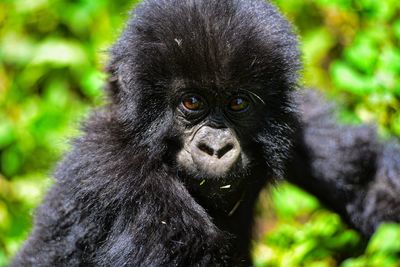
(346, 167)
(119, 198)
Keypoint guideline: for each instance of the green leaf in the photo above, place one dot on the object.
(396, 29)
(93, 83)
(7, 134)
(352, 81)
(386, 239)
(59, 52)
(363, 54)
(290, 201)
(11, 161)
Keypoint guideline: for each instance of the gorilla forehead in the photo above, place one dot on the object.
(218, 43)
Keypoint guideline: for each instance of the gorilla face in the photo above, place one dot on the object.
(212, 147)
(218, 124)
(217, 82)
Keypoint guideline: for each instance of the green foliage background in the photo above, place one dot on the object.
(51, 57)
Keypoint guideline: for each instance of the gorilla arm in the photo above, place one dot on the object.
(346, 167)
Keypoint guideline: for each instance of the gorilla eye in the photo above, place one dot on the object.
(238, 104)
(192, 103)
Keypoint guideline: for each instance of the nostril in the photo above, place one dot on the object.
(224, 150)
(205, 148)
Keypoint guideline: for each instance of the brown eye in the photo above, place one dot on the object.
(192, 103)
(238, 104)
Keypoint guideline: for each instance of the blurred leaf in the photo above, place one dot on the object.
(396, 29)
(350, 80)
(11, 161)
(386, 240)
(7, 134)
(5, 219)
(291, 201)
(362, 54)
(16, 48)
(92, 83)
(345, 4)
(59, 52)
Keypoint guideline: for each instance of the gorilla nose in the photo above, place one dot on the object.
(215, 151)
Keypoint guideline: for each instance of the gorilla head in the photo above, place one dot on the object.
(208, 83)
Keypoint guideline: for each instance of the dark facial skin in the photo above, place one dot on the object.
(211, 145)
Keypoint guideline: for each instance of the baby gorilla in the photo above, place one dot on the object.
(201, 116)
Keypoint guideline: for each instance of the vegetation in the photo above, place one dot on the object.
(51, 57)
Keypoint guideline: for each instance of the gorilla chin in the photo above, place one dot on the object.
(212, 153)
